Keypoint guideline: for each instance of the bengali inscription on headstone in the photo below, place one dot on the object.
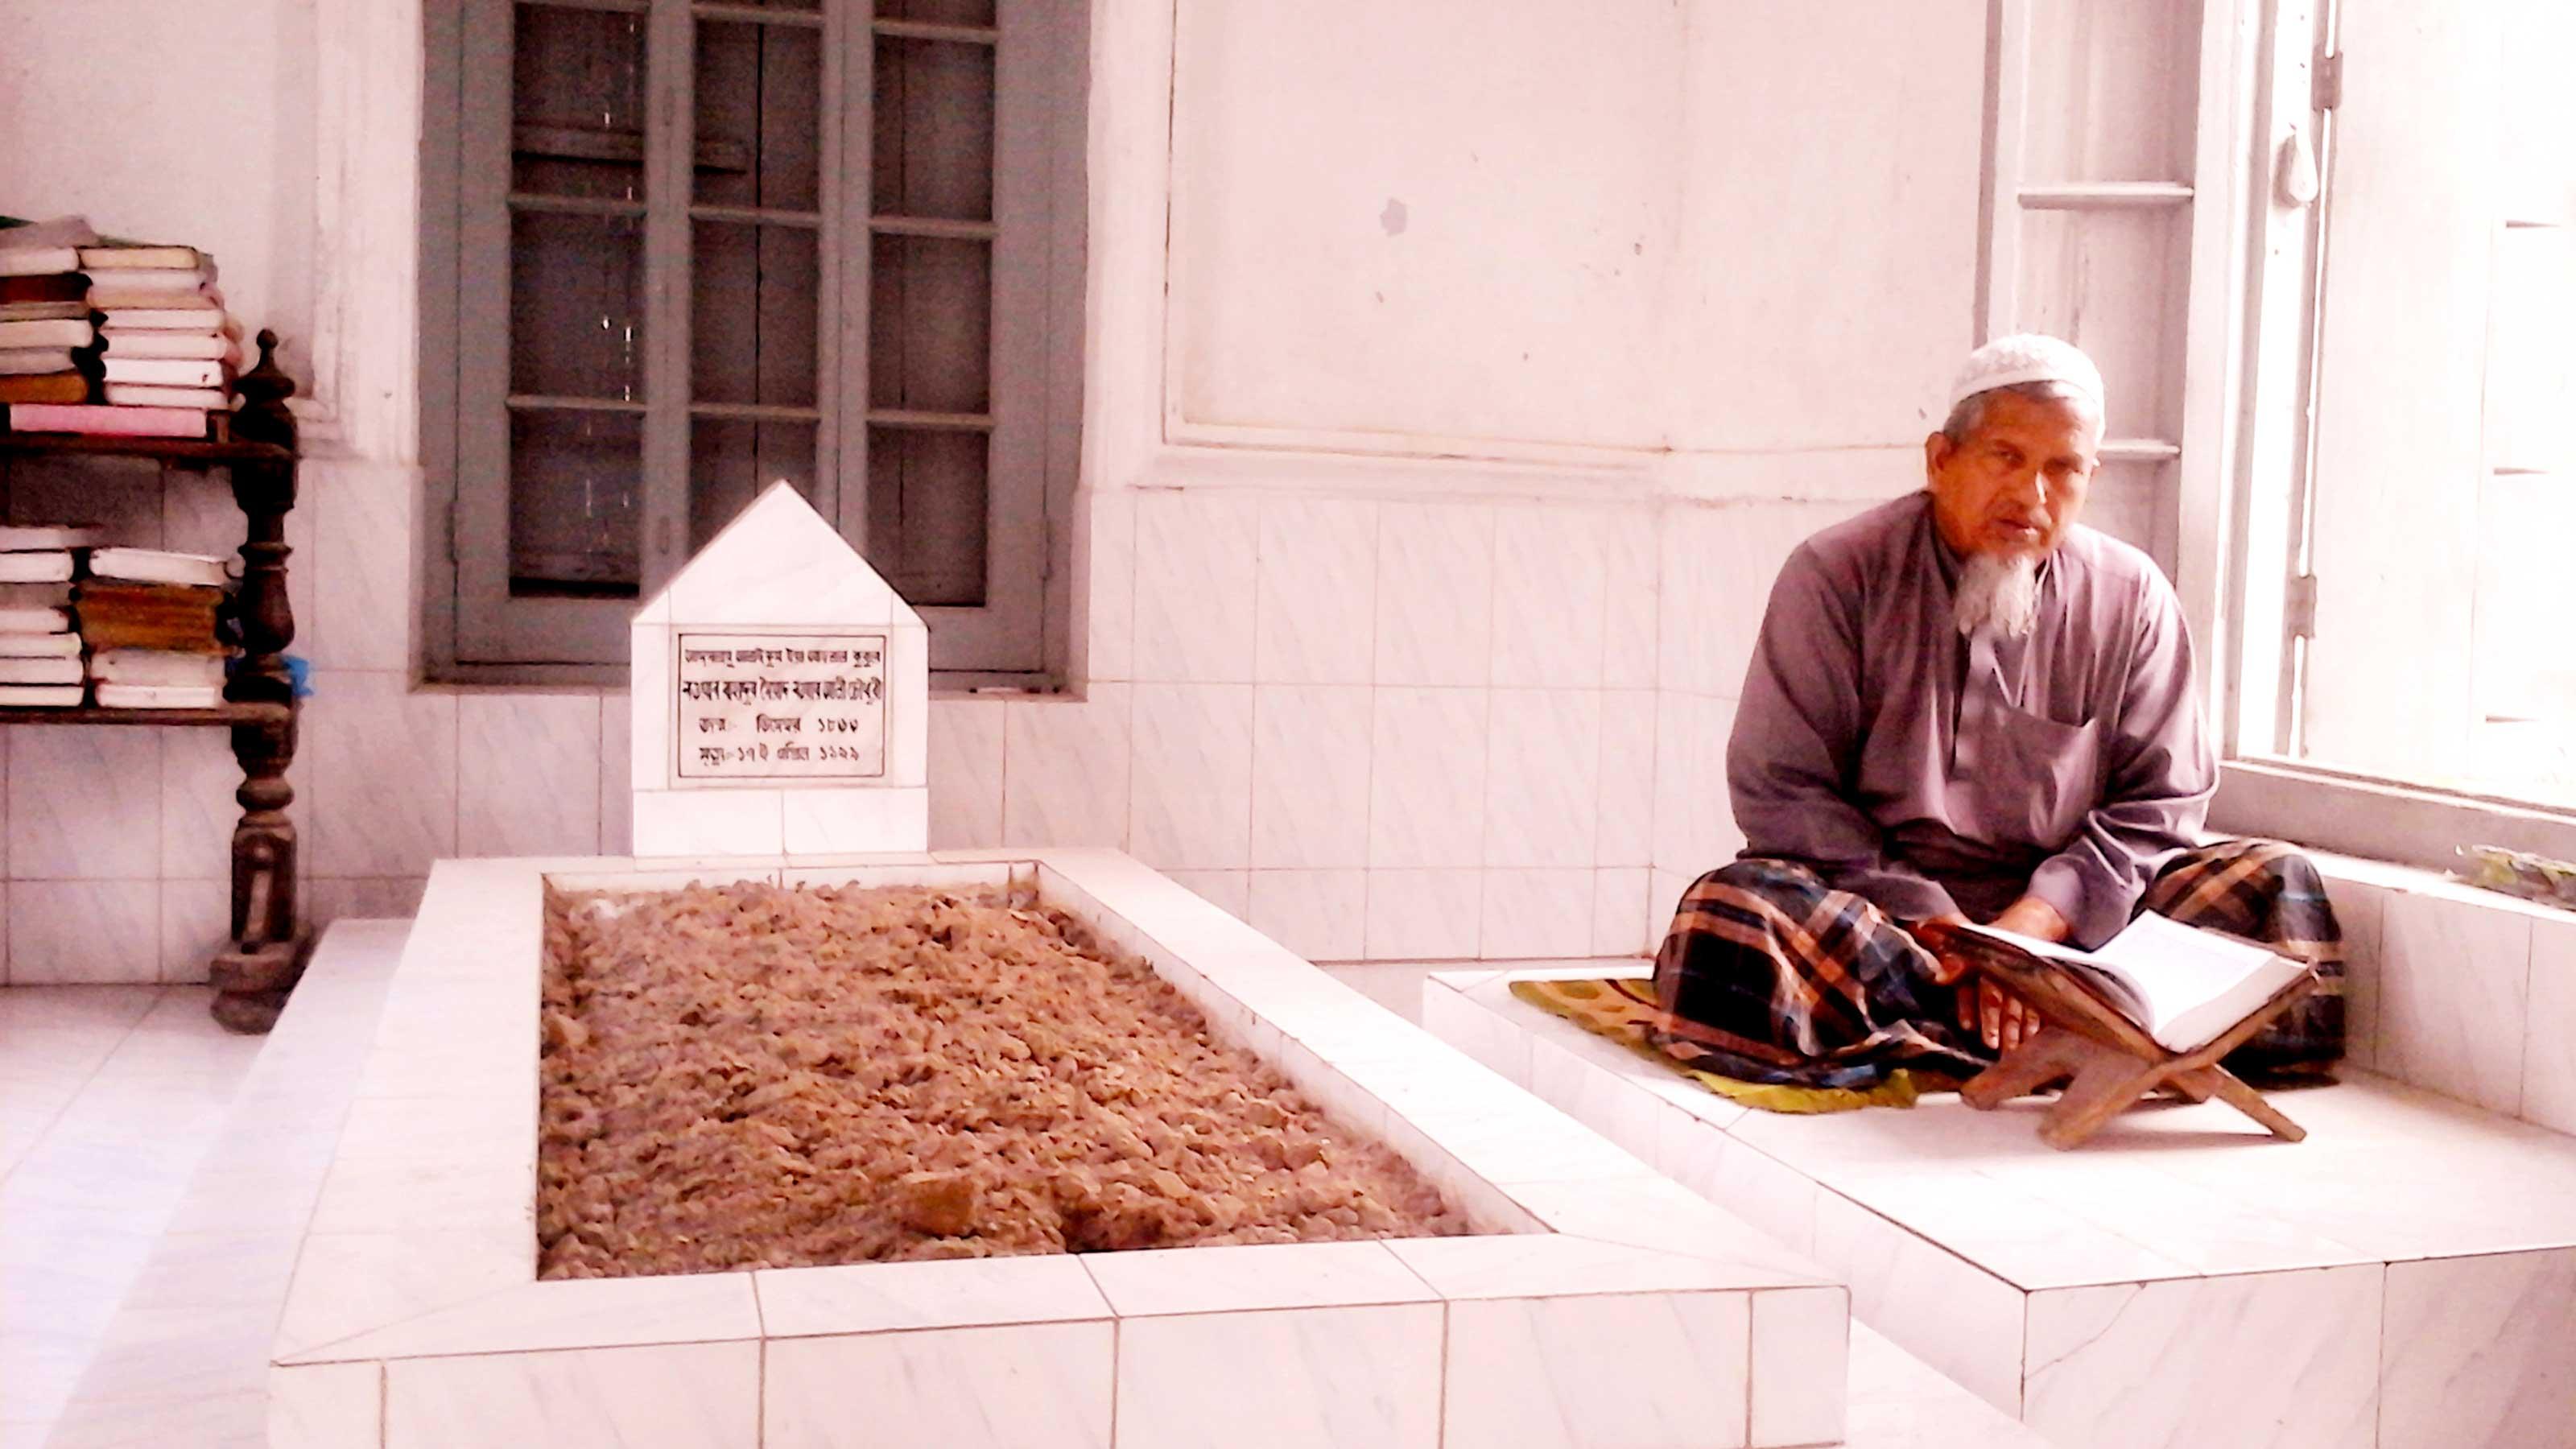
(772, 706)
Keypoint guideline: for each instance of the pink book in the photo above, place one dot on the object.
(128, 422)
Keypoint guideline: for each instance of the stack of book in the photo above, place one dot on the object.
(162, 353)
(48, 349)
(40, 656)
(171, 347)
(148, 618)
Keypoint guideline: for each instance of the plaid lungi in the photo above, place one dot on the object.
(1768, 975)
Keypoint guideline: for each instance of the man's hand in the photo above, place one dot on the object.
(1996, 1015)
(1949, 967)
(1987, 1011)
(2004, 1020)
(2030, 916)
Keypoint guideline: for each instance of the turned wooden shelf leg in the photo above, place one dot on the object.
(253, 974)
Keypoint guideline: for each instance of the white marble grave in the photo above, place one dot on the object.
(2401, 1279)
(781, 692)
(1604, 1305)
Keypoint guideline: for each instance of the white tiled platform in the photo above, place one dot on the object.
(1609, 1307)
(2463, 991)
(183, 1359)
(109, 1097)
(198, 1377)
(2405, 1277)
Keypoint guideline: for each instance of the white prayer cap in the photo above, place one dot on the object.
(2027, 357)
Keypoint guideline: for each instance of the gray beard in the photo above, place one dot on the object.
(1997, 594)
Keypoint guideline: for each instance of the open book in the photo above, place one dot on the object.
(2182, 985)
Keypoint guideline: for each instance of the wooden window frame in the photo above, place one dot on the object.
(2268, 90)
(473, 632)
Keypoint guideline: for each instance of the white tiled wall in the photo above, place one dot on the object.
(1389, 728)
(1716, 559)
(118, 840)
(1377, 727)
(2459, 991)
(117, 844)
(1374, 727)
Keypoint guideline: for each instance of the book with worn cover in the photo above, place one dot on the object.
(145, 395)
(52, 231)
(139, 598)
(163, 318)
(162, 668)
(41, 696)
(154, 566)
(57, 332)
(187, 637)
(35, 596)
(162, 281)
(207, 346)
(124, 422)
(114, 295)
(51, 288)
(44, 311)
(135, 256)
(167, 371)
(120, 615)
(19, 537)
(159, 696)
(2179, 984)
(36, 566)
(35, 361)
(44, 389)
(21, 621)
(38, 261)
(60, 644)
(55, 670)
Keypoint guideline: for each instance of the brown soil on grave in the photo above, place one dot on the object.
(746, 1076)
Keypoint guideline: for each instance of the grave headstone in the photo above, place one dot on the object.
(781, 698)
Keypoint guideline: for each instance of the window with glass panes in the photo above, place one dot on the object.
(700, 248)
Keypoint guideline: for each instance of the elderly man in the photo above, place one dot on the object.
(1965, 704)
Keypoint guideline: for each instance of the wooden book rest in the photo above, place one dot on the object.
(2107, 1061)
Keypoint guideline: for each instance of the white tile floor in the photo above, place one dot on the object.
(108, 1097)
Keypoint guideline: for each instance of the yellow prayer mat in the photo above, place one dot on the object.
(1624, 1011)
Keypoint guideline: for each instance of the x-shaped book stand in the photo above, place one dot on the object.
(2108, 1063)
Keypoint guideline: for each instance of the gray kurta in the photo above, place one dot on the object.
(1927, 773)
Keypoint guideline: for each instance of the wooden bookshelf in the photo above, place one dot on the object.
(251, 715)
(183, 452)
(253, 973)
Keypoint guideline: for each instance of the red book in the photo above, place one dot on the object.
(53, 287)
(124, 422)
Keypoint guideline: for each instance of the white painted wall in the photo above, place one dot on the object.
(1824, 284)
(1391, 641)
(1657, 318)
(1696, 228)
(171, 120)
(1437, 219)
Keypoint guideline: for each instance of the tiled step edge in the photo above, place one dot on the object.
(185, 1359)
